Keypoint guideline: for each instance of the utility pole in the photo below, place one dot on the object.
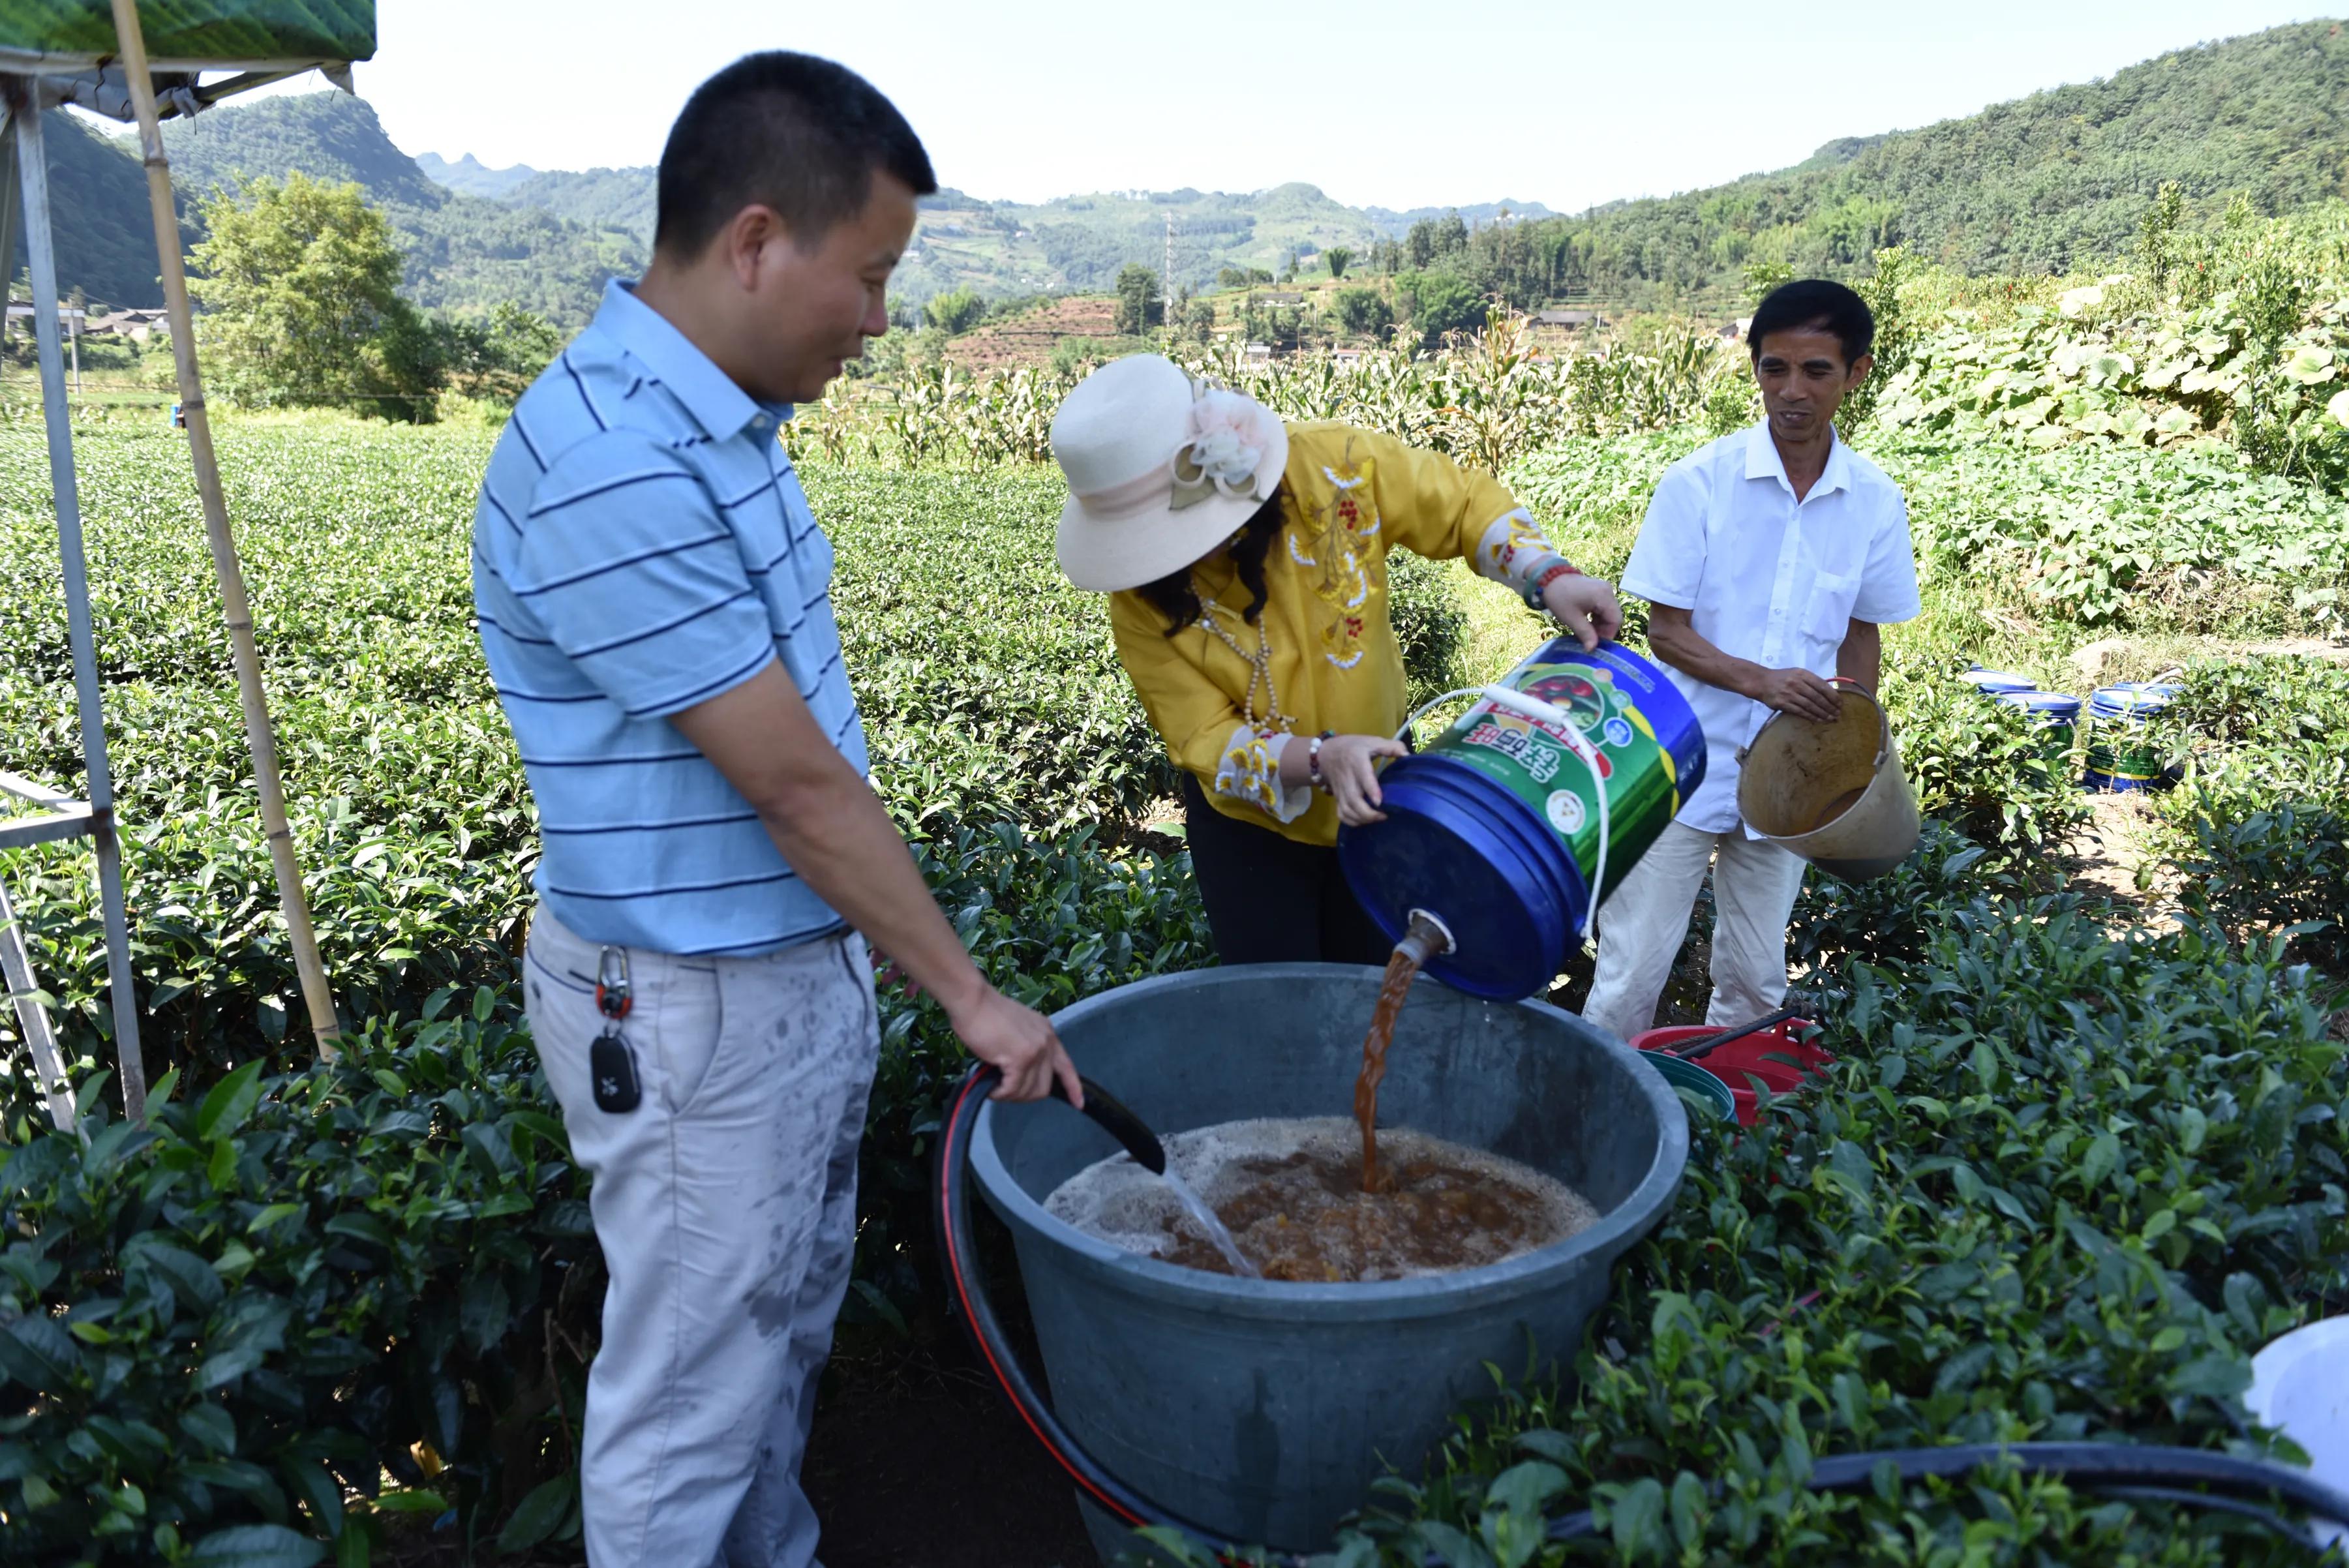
(1166, 277)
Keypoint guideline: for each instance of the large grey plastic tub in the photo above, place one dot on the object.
(1265, 1410)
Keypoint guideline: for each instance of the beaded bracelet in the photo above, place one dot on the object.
(1549, 575)
(1313, 760)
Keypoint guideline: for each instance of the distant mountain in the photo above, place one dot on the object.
(469, 176)
(1070, 243)
(621, 198)
(1394, 225)
(328, 136)
(97, 201)
(463, 252)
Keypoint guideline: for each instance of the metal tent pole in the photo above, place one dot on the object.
(261, 739)
(33, 171)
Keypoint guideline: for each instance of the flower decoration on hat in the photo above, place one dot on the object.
(1225, 450)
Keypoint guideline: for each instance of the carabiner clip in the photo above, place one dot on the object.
(613, 996)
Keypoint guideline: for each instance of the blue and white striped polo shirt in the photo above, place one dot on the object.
(642, 545)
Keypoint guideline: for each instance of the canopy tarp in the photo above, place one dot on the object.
(44, 37)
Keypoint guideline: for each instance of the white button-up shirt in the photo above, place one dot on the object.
(1768, 578)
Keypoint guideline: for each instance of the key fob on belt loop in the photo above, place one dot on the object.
(614, 1067)
(611, 1065)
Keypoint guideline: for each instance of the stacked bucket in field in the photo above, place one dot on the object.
(2119, 754)
(2054, 715)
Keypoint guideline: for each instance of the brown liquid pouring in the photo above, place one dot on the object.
(1401, 970)
(1425, 938)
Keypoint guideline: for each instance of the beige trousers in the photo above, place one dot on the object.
(1641, 925)
(726, 1206)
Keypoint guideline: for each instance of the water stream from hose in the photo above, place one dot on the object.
(1205, 1217)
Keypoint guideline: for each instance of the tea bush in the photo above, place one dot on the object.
(219, 1331)
(1978, 768)
(2089, 536)
(2258, 832)
(2067, 1177)
(2060, 1184)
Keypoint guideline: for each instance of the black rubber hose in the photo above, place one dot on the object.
(2122, 1468)
(1110, 1114)
(2088, 1467)
(1711, 1043)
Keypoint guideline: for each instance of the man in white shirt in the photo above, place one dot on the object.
(1769, 559)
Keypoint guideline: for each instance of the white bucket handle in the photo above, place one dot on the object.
(1557, 717)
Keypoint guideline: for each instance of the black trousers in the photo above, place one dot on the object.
(1272, 899)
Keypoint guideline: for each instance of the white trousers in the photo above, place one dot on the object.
(1641, 925)
(726, 1206)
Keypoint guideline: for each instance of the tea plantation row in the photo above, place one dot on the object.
(238, 1318)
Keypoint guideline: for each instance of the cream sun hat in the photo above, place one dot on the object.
(1162, 469)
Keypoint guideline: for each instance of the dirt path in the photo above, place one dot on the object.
(2114, 856)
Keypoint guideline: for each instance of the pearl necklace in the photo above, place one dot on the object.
(1259, 665)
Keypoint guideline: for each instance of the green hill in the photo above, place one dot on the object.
(464, 253)
(327, 135)
(2043, 184)
(620, 199)
(97, 204)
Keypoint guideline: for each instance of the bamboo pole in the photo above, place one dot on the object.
(260, 738)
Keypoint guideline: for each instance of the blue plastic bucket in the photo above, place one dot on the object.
(2120, 756)
(1495, 828)
(2053, 715)
(1995, 683)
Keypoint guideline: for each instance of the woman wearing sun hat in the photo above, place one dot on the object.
(1245, 564)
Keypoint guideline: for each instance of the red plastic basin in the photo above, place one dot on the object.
(1775, 1056)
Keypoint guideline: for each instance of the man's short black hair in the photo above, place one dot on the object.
(1815, 303)
(789, 131)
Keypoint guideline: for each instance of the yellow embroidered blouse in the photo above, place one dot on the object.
(1352, 496)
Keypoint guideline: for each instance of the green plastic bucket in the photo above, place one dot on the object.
(1709, 1091)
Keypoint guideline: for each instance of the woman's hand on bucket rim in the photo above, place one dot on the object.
(1585, 607)
(1349, 770)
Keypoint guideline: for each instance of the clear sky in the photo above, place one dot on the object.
(1395, 103)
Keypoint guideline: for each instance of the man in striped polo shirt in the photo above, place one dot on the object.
(652, 594)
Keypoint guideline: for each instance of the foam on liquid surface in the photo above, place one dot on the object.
(1290, 1190)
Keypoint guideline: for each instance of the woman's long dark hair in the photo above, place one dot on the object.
(1173, 595)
